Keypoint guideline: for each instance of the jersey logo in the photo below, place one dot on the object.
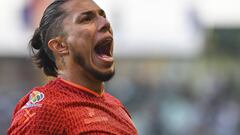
(91, 112)
(34, 99)
(93, 118)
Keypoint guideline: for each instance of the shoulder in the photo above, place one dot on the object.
(112, 99)
(36, 97)
(35, 112)
(39, 98)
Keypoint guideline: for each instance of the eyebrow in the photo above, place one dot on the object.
(91, 12)
(87, 13)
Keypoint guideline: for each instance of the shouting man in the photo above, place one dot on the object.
(74, 43)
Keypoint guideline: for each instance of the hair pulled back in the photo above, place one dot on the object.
(50, 26)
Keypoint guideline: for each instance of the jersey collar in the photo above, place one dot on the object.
(83, 88)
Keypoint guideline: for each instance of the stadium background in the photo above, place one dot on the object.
(177, 62)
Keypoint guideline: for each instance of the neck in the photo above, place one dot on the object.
(80, 77)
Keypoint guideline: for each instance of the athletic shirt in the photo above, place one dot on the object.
(61, 107)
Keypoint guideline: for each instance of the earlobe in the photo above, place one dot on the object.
(57, 46)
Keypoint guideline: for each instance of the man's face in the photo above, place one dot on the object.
(89, 37)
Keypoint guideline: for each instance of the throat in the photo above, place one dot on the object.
(94, 86)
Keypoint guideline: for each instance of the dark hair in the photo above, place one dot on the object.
(50, 26)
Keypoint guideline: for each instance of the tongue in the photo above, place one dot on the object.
(105, 57)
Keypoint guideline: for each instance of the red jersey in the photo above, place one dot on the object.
(61, 107)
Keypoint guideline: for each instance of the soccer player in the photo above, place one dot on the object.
(74, 43)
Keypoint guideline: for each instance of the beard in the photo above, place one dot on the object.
(96, 74)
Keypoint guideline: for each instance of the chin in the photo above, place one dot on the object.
(106, 76)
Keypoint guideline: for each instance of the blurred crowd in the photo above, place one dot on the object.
(196, 97)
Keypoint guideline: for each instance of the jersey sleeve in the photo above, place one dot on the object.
(36, 121)
(37, 117)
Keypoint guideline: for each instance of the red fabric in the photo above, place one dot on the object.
(62, 108)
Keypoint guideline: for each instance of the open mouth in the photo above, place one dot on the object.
(104, 48)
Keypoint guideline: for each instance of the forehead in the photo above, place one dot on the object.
(80, 6)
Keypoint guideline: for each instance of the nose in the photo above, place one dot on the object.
(104, 25)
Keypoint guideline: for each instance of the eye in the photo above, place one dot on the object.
(85, 19)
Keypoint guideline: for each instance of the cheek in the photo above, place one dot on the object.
(85, 34)
(81, 40)
(81, 36)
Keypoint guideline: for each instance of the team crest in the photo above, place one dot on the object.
(34, 99)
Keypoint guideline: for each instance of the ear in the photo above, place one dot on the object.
(57, 46)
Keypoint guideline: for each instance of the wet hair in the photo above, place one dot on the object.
(50, 26)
